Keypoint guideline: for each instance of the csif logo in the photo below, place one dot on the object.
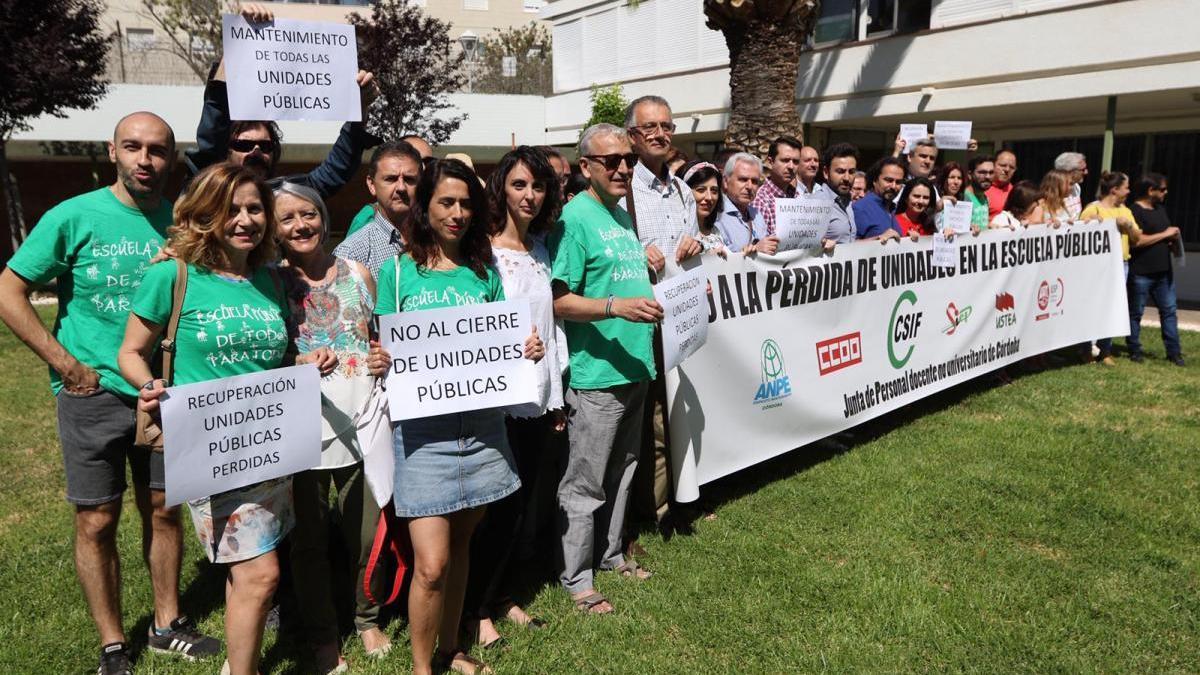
(956, 317)
(1050, 299)
(1006, 314)
(775, 382)
(839, 352)
(902, 330)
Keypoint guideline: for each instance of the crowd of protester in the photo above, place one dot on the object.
(483, 494)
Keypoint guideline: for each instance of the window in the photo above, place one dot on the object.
(848, 20)
(837, 22)
(533, 6)
(477, 5)
(139, 39)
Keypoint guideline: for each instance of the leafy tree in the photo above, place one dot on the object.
(416, 64)
(764, 39)
(529, 46)
(193, 30)
(52, 59)
(608, 105)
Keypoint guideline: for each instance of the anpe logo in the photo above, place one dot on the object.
(775, 383)
(839, 352)
(956, 317)
(1050, 298)
(902, 330)
(1006, 314)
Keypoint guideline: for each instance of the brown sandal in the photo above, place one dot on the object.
(588, 603)
(631, 570)
(459, 661)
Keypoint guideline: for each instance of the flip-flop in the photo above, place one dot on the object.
(588, 603)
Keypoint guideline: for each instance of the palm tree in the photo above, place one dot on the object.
(764, 39)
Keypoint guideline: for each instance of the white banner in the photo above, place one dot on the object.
(456, 359)
(291, 70)
(237, 431)
(683, 297)
(800, 348)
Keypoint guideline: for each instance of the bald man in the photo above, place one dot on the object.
(97, 246)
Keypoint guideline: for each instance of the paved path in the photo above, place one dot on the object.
(1189, 319)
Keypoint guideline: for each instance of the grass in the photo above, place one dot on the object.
(1049, 525)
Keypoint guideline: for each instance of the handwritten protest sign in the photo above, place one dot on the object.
(237, 431)
(291, 70)
(801, 222)
(458, 358)
(911, 133)
(684, 301)
(951, 135)
(957, 216)
(945, 253)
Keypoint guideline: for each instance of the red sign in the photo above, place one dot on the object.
(839, 352)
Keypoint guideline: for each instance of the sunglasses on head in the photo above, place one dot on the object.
(247, 145)
(613, 161)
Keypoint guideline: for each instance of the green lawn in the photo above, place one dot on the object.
(1049, 525)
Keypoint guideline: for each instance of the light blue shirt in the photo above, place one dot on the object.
(738, 230)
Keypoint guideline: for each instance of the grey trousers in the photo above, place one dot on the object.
(605, 435)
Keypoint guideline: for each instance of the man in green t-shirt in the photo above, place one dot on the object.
(602, 292)
(97, 246)
(980, 172)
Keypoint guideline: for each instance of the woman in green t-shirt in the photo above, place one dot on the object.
(448, 467)
(233, 321)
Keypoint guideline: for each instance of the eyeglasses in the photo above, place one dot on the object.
(266, 146)
(613, 161)
(651, 128)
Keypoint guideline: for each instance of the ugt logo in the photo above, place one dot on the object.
(775, 383)
(957, 317)
(902, 330)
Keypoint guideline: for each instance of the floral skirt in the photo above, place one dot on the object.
(244, 523)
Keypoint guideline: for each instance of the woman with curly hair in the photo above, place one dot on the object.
(448, 467)
(234, 321)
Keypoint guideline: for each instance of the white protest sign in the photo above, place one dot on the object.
(945, 253)
(951, 135)
(237, 431)
(957, 216)
(802, 222)
(685, 314)
(291, 70)
(456, 359)
(911, 133)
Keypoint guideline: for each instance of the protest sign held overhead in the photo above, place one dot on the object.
(237, 431)
(291, 70)
(911, 133)
(952, 135)
(457, 359)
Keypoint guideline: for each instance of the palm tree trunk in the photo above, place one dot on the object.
(764, 58)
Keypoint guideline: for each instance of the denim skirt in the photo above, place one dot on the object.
(453, 462)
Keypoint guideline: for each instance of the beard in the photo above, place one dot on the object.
(138, 189)
(258, 164)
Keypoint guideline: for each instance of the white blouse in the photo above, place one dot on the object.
(527, 275)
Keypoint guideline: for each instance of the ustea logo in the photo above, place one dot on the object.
(839, 352)
(1006, 314)
(902, 330)
(1050, 299)
(956, 317)
(775, 383)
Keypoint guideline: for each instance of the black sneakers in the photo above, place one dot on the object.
(182, 639)
(114, 660)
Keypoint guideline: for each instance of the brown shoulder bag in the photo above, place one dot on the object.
(149, 433)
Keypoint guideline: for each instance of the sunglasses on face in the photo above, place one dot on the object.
(613, 162)
(651, 128)
(247, 145)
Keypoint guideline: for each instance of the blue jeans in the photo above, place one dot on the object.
(1161, 287)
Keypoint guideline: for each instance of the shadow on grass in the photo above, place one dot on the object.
(203, 596)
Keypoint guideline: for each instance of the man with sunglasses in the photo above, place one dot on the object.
(663, 210)
(602, 292)
(257, 144)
